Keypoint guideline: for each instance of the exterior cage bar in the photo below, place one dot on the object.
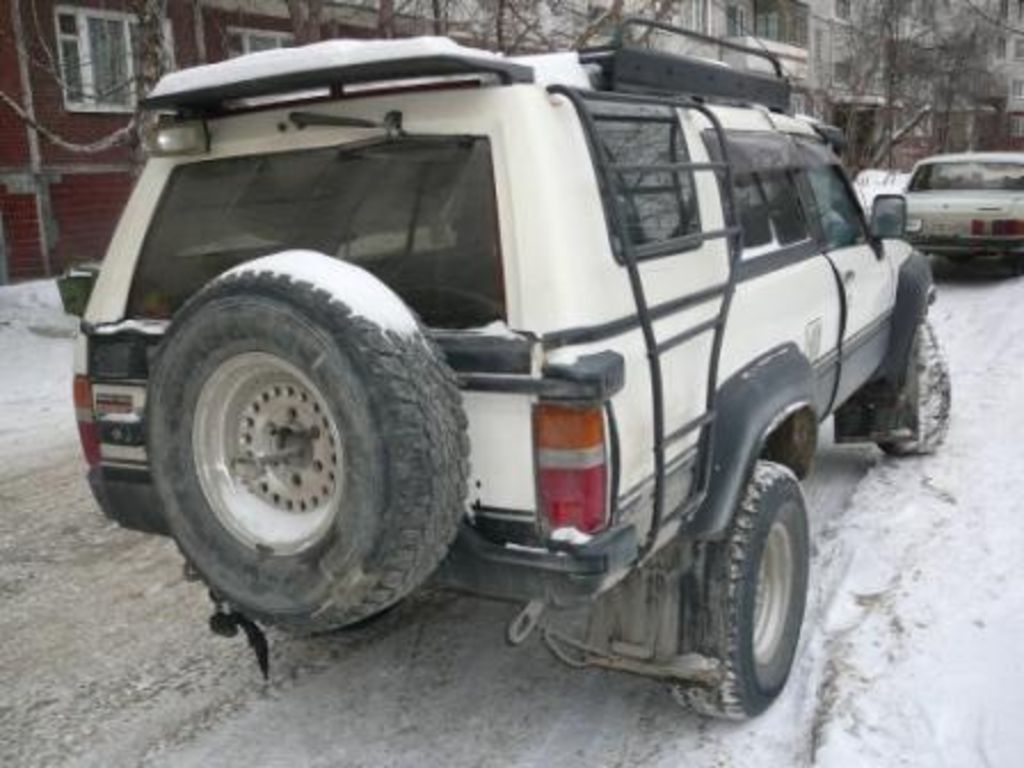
(581, 101)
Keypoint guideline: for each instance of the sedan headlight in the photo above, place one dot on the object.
(914, 226)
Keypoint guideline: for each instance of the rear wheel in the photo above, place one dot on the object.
(752, 592)
(311, 464)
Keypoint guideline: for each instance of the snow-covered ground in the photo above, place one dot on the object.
(872, 182)
(910, 654)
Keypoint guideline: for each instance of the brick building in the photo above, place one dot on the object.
(68, 65)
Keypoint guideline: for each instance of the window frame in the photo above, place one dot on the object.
(663, 248)
(88, 103)
(246, 32)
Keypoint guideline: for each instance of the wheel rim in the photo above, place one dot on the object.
(774, 592)
(268, 453)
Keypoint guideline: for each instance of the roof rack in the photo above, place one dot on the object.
(629, 68)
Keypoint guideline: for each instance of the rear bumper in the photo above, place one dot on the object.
(564, 578)
(968, 246)
(127, 497)
(570, 576)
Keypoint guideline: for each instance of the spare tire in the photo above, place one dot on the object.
(308, 446)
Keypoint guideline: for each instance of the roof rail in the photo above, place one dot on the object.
(626, 67)
(652, 24)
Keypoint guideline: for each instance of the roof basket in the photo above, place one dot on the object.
(630, 68)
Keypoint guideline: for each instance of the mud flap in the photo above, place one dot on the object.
(877, 413)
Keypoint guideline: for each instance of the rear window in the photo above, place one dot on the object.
(968, 176)
(419, 213)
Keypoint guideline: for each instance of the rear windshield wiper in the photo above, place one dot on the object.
(392, 122)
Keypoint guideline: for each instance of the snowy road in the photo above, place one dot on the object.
(910, 654)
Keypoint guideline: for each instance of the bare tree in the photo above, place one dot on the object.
(906, 63)
(307, 19)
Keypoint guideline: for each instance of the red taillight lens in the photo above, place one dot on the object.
(572, 477)
(86, 425)
(977, 227)
(1006, 228)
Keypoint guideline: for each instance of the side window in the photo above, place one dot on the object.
(769, 209)
(838, 211)
(659, 203)
(768, 204)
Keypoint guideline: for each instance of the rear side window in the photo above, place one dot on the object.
(973, 175)
(768, 205)
(769, 209)
(659, 204)
(419, 213)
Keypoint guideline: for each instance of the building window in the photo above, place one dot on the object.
(1018, 49)
(843, 72)
(242, 41)
(1017, 126)
(1018, 89)
(784, 21)
(843, 9)
(819, 46)
(97, 51)
(735, 21)
(1001, 48)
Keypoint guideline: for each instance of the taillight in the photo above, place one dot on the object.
(86, 424)
(977, 227)
(572, 476)
(1007, 227)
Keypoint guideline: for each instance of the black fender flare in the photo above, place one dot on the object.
(749, 405)
(914, 292)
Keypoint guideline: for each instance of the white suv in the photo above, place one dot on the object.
(557, 330)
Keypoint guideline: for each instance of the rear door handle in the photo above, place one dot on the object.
(849, 276)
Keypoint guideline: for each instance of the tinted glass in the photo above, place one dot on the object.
(769, 209)
(418, 213)
(768, 204)
(837, 210)
(968, 176)
(659, 205)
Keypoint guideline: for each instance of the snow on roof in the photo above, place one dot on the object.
(334, 60)
(974, 157)
(556, 69)
(316, 56)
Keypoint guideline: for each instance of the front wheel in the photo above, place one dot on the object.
(929, 393)
(750, 601)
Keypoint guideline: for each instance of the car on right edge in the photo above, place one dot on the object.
(967, 206)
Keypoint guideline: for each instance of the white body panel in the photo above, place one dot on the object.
(559, 270)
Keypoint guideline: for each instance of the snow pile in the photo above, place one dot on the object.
(324, 55)
(872, 182)
(360, 291)
(36, 343)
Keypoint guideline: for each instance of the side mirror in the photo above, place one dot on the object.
(75, 288)
(888, 216)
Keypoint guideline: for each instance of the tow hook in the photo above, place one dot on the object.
(520, 628)
(226, 623)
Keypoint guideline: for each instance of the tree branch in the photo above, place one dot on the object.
(111, 140)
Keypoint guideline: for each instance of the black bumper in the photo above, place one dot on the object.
(127, 497)
(571, 576)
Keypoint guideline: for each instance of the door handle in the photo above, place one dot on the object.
(849, 276)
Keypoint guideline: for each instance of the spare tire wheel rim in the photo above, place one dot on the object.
(773, 594)
(268, 453)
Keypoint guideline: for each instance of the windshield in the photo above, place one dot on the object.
(419, 213)
(972, 175)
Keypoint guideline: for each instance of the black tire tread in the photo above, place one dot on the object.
(426, 424)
